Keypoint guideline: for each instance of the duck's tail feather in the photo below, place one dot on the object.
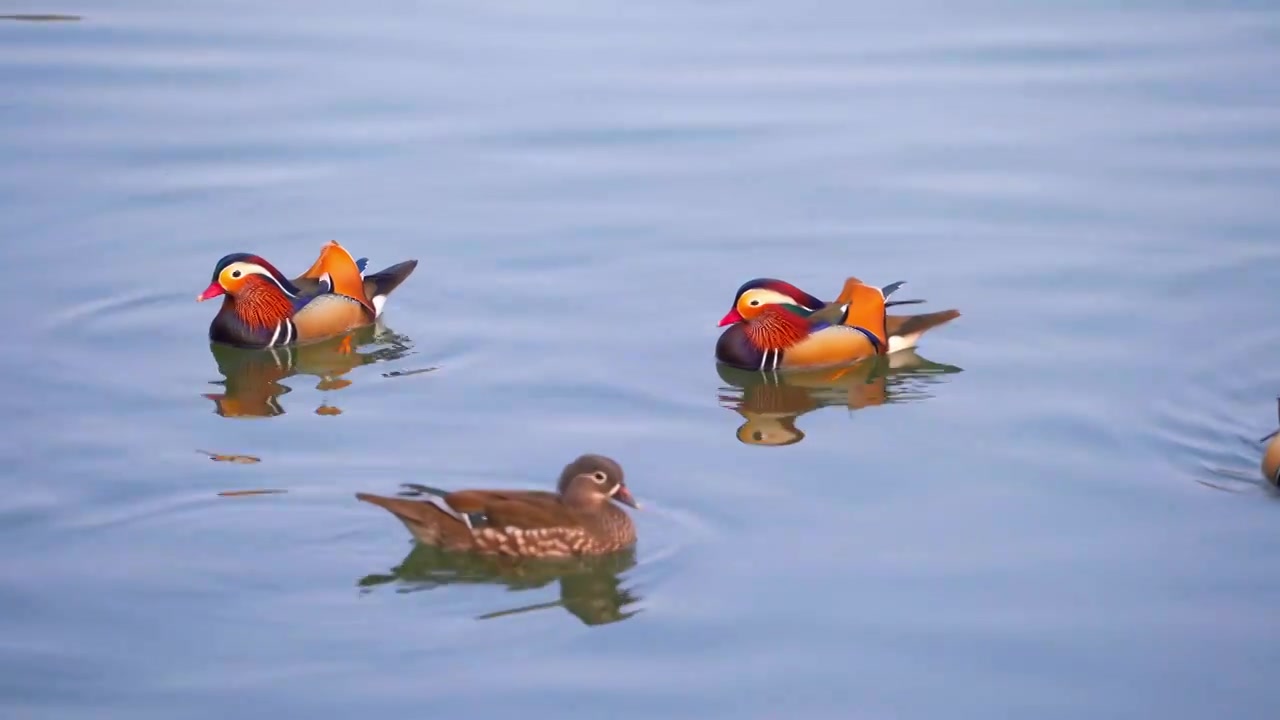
(380, 284)
(905, 330)
(429, 522)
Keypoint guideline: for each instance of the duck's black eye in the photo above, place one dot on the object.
(235, 273)
(754, 303)
(757, 436)
(599, 477)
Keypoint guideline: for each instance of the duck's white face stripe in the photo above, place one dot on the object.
(773, 297)
(248, 268)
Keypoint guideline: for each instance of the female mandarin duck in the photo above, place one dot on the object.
(775, 325)
(262, 308)
(578, 519)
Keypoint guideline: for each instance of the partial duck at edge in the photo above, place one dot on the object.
(1271, 455)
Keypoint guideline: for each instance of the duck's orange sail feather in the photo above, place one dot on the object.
(343, 273)
(866, 309)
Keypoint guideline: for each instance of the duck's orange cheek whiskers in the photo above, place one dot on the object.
(733, 316)
(213, 291)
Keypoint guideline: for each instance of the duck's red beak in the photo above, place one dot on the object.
(623, 496)
(730, 318)
(213, 291)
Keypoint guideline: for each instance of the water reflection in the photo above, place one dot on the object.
(590, 587)
(771, 402)
(252, 378)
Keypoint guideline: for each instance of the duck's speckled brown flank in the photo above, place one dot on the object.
(580, 518)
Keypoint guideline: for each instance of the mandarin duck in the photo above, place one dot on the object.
(771, 403)
(262, 308)
(1271, 456)
(578, 519)
(775, 325)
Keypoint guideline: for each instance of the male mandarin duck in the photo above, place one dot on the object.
(578, 519)
(262, 308)
(775, 325)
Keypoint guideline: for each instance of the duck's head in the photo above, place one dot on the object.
(755, 294)
(239, 272)
(594, 480)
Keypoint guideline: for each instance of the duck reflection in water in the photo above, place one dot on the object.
(771, 402)
(252, 378)
(590, 586)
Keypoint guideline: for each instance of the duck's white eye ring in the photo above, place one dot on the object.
(599, 477)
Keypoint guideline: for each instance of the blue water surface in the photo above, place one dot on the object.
(1052, 510)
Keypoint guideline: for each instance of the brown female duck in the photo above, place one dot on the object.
(578, 519)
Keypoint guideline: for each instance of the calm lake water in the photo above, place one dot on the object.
(1054, 511)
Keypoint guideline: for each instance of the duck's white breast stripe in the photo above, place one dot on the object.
(764, 359)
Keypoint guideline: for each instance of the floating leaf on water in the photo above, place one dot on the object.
(328, 410)
(404, 373)
(240, 493)
(241, 459)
